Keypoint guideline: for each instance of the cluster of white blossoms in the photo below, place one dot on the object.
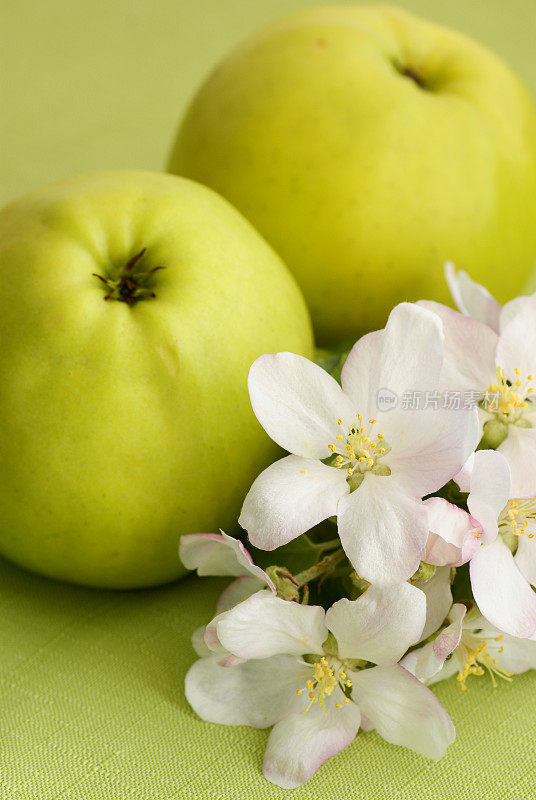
(433, 567)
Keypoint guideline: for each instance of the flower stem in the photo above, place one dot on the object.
(327, 564)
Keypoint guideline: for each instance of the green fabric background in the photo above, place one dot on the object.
(92, 705)
(93, 709)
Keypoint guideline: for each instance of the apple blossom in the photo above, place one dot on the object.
(306, 671)
(369, 467)
(498, 370)
(486, 537)
(470, 645)
(500, 586)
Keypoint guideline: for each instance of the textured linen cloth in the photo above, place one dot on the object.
(92, 707)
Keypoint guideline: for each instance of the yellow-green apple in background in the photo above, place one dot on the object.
(125, 416)
(368, 146)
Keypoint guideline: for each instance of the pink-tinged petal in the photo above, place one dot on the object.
(289, 498)
(213, 644)
(297, 403)
(430, 446)
(525, 557)
(247, 693)
(441, 554)
(237, 591)
(359, 371)
(403, 710)
(215, 647)
(519, 449)
(264, 625)
(501, 592)
(517, 344)
(380, 625)
(471, 298)
(468, 350)
(210, 635)
(452, 539)
(245, 561)
(428, 660)
(448, 521)
(438, 600)
(383, 530)
(209, 554)
(301, 743)
(219, 554)
(489, 490)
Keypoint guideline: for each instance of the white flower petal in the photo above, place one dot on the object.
(471, 298)
(428, 660)
(358, 375)
(430, 446)
(383, 530)
(403, 710)
(525, 557)
(301, 743)
(380, 625)
(256, 693)
(264, 625)
(449, 668)
(405, 356)
(468, 350)
(297, 403)
(463, 477)
(518, 656)
(237, 591)
(411, 352)
(517, 344)
(489, 490)
(438, 600)
(519, 449)
(511, 309)
(501, 592)
(289, 498)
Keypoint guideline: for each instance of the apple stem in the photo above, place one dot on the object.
(129, 286)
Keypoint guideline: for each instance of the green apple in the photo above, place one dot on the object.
(368, 146)
(132, 306)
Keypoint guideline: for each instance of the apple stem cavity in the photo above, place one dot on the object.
(130, 285)
(411, 73)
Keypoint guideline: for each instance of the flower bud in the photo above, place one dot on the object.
(495, 433)
(285, 585)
